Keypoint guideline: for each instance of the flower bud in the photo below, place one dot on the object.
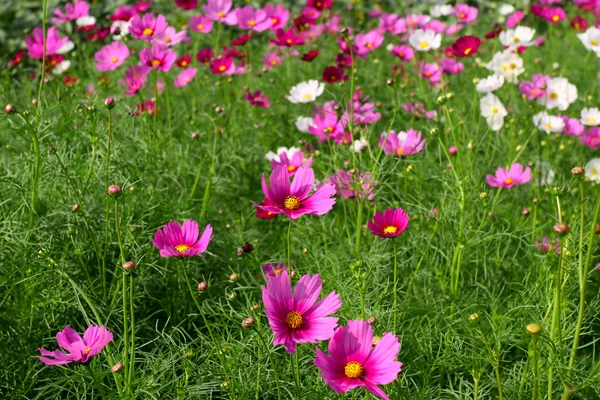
(535, 200)
(305, 251)
(233, 277)
(452, 150)
(9, 108)
(561, 228)
(248, 322)
(117, 368)
(195, 135)
(202, 286)
(75, 208)
(129, 266)
(109, 103)
(114, 190)
(247, 248)
(526, 212)
(34, 101)
(558, 191)
(473, 317)
(372, 320)
(255, 307)
(577, 171)
(483, 195)
(597, 229)
(389, 82)
(533, 329)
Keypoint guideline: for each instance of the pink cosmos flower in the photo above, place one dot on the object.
(158, 57)
(258, 99)
(579, 23)
(292, 159)
(430, 72)
(297, 317)
(453, 29)
(573, 127)
(403, 52)
(451, 66)
(352, 184)
(182, 241)
(401, 144)
(142, 6)
(187, 4)
(147, 106)
(205, 56)
(272, 60)
(185, 77)
(273, 270)
(218, 10)
(35, 43)
(392, 24)
(465, 13)
(135, 78)
(276, 18)
(170, 37)
(414, 21)
(248, 18)
(123, 13)
(221, 65)
(390, 223)
(591, 138)
(507, 179)
(294, 200)
(111, 56)
(287, 38)
(554, 15)
(80, 349)
(535, 88)
(364, 43)
(74, 10)
(435, 25)
(514, 19)
(201, 24)
(147, 27)
(326, 126)
(320, 4)
(353, 361)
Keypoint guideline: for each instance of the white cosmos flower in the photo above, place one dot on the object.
(61, 67)
(440, 10)
(520, 36)
(544, 174)
(359, 145)
(507, 64)
(282, 150)
(493, 111)
(559, 94)
(592, 170)
(491, 83)
(591, 39)
(506, 9)
(85, 21)
(548, 123)
(425, 40)
(302, 123)
(65, 48)
(590, 116)
(306, 92)
(122, 27)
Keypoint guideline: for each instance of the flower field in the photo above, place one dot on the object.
(316, 199)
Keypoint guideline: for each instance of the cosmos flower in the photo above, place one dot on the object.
(170, 37)
(403, 52)
(258, 99)
(493, 111)
(521, 36)
(73, 11)
(579, 23)
(508, 64)
(187, 4)
(364, 43)
(219, 10)
(273, 270)
(303, 124)
(465, 13)
(111, 56)
(35, 43)
(490, 84)
(158, 57)
(592, 170)
(590, 116)
(79, 349)
(174, 240)
(185, 77)
(287, 38)
(401, 144)
(507, 179)
(559, 94)
(147, 27)
(548, 123)
(272, 60)
(248, 18)
(291, 158)
(572, 126)
(326, 125)
(466, 46)
(591, 138)
(205, 56)
(334, 74)
(390, 223)
(294, 200)
(425, 40)
(354, 362)
(352, 184)
(514, 19)
(306, 92)
(591, 39)
(296, 316)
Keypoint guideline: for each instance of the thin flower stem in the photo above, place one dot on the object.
(535, 367)
(272, 362)
(106, 202)
(132, 350)
(43, 70)
(297, 372)
(210, 178)
(289, 248)
(155, 102)
(395, 287)
(358, 227)
(475, 388)
(556, 333)
(125, 303)
(496, 363)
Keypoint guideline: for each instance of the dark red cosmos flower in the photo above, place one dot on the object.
(233, 52)
(242, 40)
(579, 23)
(449, 52)
(260, 213)
(466, 46)
(53, 60)
(97, 34)
(204, 56)
(258, 99)
(310, 55)
(495, 32)
(303, 23)
(538, 10)
(320, 4)
(184, 61)
(287, 38)
(343, 60)
(334, 74)
(187, 4)
(221, 64)
(17, 58)
(71, 80)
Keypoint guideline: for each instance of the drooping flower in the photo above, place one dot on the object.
(592, 170)
(545, 245)
(174, 240)
(354, 362)
(306, 92)
(401, 144)
(390, 223)
(111, 56)
(493, 111)
(294, 200)
(158, 57)
(79, 349)
(297, 317)
(185, 77)
(73, 11)
(35, 43)
(147, 106)
(425, 40)
(490, 84)
(147, 27)
(466, 46)
(507, 179)
(258, 99)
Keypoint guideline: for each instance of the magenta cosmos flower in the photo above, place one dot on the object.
(111, 56)
(507, 179)
(201, 24)
(72, 12)
(258, 99)
(158, 57)
(185, 77)
(402, 143)
(466, 46)
(182, 241)
(390, 223)
(294, 200)
(353, 362)
(147, 27)
(35, 43)
(298, 317)
(218, 10)
(273, 270)
(80, 350)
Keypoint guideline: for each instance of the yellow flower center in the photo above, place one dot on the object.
(512, 65)
(168, 39)
(554, 96)
(278, 271)
(289, 41)
(509, 181)
(294, 320)
(148, 31)
(516, 40)
(424, 44)
(555, 18)
(594, 42)
(291, 203)
(200, 27)
(400, 151)
(274, 21)
(114, 60)
(307, 96)
(494, 110)
(184, 63)
(594, 171)
(591, 121)
(353, 370)
(155, 62)
(87, 350)
(182, 248)
(548, 126)
(462, 15)
(222, 68)
(221, 14)
(467, 51)
(368, 45)
(274, 62)
(291, 168)
(390, 229)
(252, 22)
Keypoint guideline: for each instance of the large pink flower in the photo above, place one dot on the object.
(182, 241)
(35, 43)
(158, 57)
(73, 11)
(219, 10)
(298, 317)
(80, 350)
(401, 144)
(295, 201)
(147, 27)
(185, 77)
(111, 56)
(507, 179)
(353, 362)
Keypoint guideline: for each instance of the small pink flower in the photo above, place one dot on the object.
(158, 57)
(514, 19)
(111, 56)
(507, 179)
(401, 144)
(403, 52)
(292, 159)
(297, 317)
(147, 27)
(431, 72)
(221, 65)
(465, 13)
(272, 60)
(273, 270)
(591, 138)
(182, 241)
(35, 43)
(554, 15)
(390, 223)
(74, 11)
(287, 38)
(79, 349)
(277, 17)
(364, 43)
(219, 10)
(123, 13)
(354, 362)
(392, 24)
(201, 24)
(451, 66)
(326, 125)
(573, 126)
(205, 56)
(248, 18)
(170, 37)
(258, 99)
(185, 77)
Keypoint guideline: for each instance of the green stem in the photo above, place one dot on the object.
(289, 248)
(125, 304)
(107, 206)
(297, 372)
(132, 350)
(395, 287)
(210, 178)
(273, 366)
(556, 333)
(43, 71)
(358, 228)
(535, 368)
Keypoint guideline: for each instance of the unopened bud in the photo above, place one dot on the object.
(109, 103)
(202, 286)
(577, 171)
(195, 135)
(526, 212)
(248, 322)
(561, 228)
(9, 108)
(558, 191)
(376, 340)
(473, 317)
(129, 266)
(75, 208)
(483, 195)
(233, 277)
(117, 368)
(305, 251)
(533, 329)
(247, 248)
(389, 82)
(255, 307)
(372, 320)
(114, 190)
(535, 200)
